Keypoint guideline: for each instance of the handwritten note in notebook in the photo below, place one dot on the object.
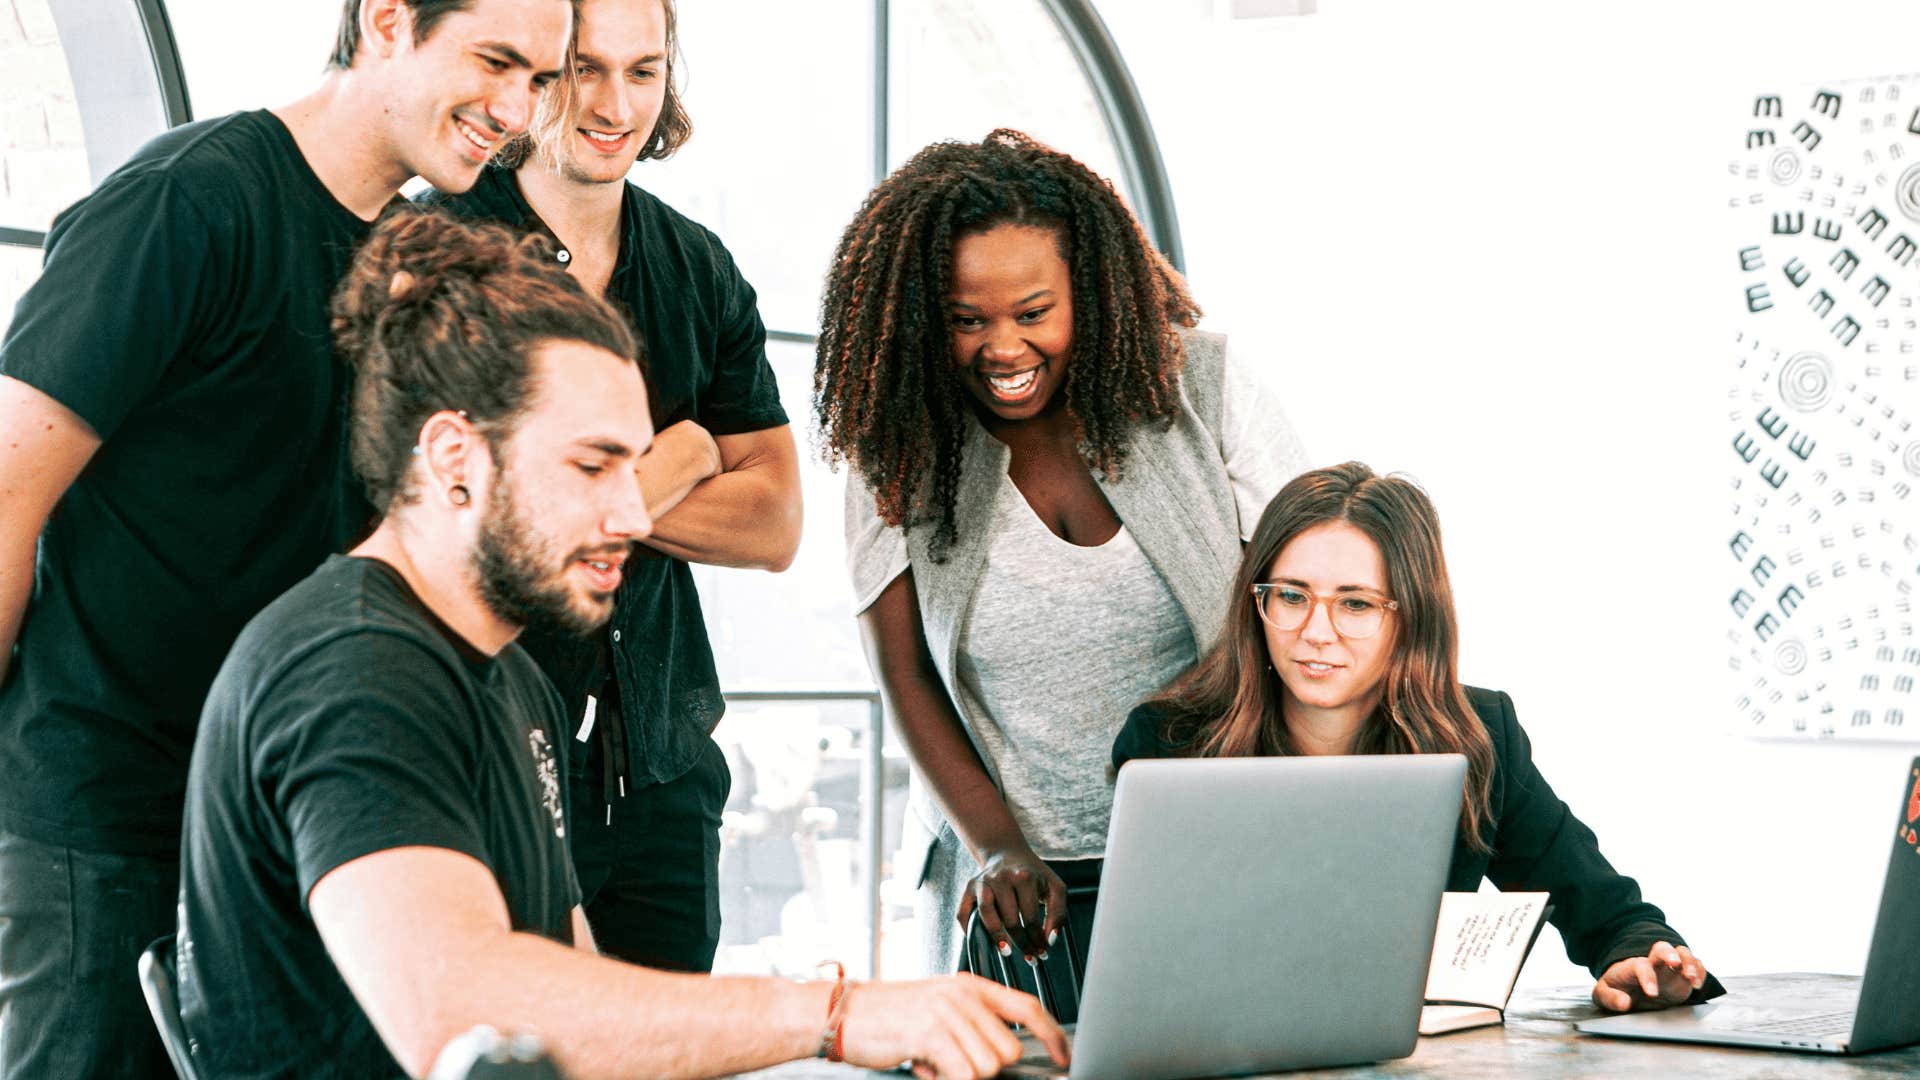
(1478, 948)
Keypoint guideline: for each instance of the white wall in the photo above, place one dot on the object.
(1485, 243)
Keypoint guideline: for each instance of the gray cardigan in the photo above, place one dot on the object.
(1174, 497)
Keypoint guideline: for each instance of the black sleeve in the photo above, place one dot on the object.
(365, 746)
(1540, 846)
(127, 272)
(1142, 736)
(743, 395)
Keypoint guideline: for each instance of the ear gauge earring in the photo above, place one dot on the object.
(458, 495)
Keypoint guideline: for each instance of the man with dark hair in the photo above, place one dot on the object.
(375, 855)
(425, 13)
(172, 444)
(723, 479)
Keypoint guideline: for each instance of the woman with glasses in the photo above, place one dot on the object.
(1052, 472)
(1340, 639)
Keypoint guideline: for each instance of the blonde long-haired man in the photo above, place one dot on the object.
(722, 477)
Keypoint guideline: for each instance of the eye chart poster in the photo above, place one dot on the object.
(1822, 545)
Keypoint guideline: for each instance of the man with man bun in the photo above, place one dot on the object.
(375, 853)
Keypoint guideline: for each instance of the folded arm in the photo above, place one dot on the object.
(727, 500)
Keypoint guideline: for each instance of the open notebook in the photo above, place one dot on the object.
(1478, 949)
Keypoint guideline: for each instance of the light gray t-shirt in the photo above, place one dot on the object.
(1059, 643)
(1183, 505)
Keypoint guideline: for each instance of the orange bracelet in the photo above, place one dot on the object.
(836, 1013)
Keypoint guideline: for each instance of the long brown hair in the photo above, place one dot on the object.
(1228, 704)
(552, 122)
(884, 391)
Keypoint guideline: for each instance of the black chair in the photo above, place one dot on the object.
(1055, 980)
(158, 980)
(480, 1053)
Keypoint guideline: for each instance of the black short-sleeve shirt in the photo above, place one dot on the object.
(349, 720)
(706, 361)
(182, 314)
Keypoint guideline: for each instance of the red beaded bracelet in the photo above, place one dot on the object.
(836, 1013)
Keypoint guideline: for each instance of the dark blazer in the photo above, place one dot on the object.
(1538, 845)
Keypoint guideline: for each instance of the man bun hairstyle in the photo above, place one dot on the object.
(441, 315)
(426, 15)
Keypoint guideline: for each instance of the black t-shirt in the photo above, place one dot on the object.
(349, 720)
(183, 315)
(706, 361)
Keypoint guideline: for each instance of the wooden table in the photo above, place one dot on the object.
(1539, 1041)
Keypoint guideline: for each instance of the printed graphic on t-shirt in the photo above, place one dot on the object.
(549, 773)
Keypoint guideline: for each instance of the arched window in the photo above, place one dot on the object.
(798, 109)
(791, 130)
(82, 84)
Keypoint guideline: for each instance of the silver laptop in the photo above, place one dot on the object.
(1884, 1015)
(1259, 914)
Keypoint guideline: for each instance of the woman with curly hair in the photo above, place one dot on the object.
(1052, 474)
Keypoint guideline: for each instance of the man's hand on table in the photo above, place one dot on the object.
(951, 1028)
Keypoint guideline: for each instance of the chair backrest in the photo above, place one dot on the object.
(480, 1053)
(158, 982)
(1055, 980)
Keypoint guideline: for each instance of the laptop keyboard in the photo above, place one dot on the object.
(1035, 1057)
(1817, 1024)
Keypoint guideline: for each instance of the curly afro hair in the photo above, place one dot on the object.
(885, 394)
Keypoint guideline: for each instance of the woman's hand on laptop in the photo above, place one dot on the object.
(950, 1028)
(1667, 975)
(1008, 892)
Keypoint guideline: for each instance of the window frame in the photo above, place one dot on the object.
(118, 117)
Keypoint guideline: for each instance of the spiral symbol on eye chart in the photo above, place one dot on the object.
(1790, 656)
(1785, 167)
(1906, 193)
(1910, 457)
(1806, 382)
